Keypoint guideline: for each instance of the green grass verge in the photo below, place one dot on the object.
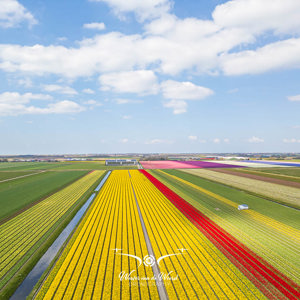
(43, 245)
(19, 193)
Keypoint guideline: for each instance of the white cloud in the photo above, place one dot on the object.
(226, 141)
(88, 91)
(158, 141)
(126, 117)
(144, 9)
(216, 140)
(142, 82)
(280, 16)
(13, 104)
(92, 103)
(255, 139)
(96, 26)
(180, 92)
(279, 55)
(13, 13)
(59, 89)
(184, 90)
(127, 101)
(178, 106)
(124, 141)
(26, 82)
(292, 140)
(294, 98)
(192, 137)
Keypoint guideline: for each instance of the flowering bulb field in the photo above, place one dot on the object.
(169, 164)
(270, 281)
(24, 235)
(136, 227)
(284, 194)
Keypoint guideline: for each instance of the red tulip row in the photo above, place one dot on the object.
(270, 281)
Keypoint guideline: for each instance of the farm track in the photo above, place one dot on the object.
(111, 231)
(18, 177)
(22, 235)
(260, 177)
(270, 281)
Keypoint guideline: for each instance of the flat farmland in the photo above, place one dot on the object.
(266, 223)
(4, 175)
(283, 194)
(24, 238)
(137, 227)
(19, 193)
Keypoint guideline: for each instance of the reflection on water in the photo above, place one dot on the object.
(33, 277)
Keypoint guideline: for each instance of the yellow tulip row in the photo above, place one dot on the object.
(21, 236)
(92, 264)
(283, 228)
(203, 271)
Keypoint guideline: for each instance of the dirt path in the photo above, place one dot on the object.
(5, 180)
(261, 178)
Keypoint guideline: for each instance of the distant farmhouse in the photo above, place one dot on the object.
(121, 162)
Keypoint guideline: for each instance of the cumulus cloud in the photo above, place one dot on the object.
(278, 55)
(141, 82)
(145, 9)
(13, 13)
(13, 104)
(124, 141)
(280, 16)
(158, 141)
(88, 91)
(92, 103)
(184, 90)
(180, 92)
(292, 140)
(216, 140)
(96, 26)
(127, 101)
(178, 106)
(294, 98)
(59, 89)
(255, 140)
(192, 137)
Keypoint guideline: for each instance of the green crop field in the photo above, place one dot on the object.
(266, 223)
(276, 192)
(5, 175)
(19, 166)
(18, 193)
(57, 166)
(270, 173)
(24, 238)
(291, 171)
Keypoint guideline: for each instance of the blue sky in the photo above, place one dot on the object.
(114, 76)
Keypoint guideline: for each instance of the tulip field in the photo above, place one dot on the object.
(169, 231)
(141, 240)
(23, 236)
